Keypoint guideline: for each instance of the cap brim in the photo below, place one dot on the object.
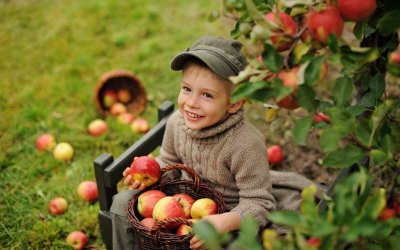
(214, 62)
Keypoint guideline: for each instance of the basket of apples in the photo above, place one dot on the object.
(163, 213)
(120, 90)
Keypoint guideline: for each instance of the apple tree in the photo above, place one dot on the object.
(338, 61)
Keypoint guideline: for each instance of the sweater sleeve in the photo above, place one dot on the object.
(250, 167)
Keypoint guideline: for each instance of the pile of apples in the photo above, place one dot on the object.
(155, 205)
(115, 102)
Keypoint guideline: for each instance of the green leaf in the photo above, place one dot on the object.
(306, 97)
(211, 237)
(333, 44)
(246, 89)
(342, 120)
(345, 157)
(272, 58)
(358, 55)
(235, 32)
(389, 23)
(377, 86)
(363, 132)
(313, 70)
(389, 144)
(289, 218)
(329, 139)
(308, 206)
(377, 116)
(378, 157)
(247, 239)
(301, 129)
(359, 29)
(343, 90)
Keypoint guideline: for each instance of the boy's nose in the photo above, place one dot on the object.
(192, 101)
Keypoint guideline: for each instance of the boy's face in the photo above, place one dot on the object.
(204, 100)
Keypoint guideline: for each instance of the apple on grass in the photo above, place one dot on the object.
(126, 118)
(203, 207)
(275, 154)
(186, 201)
(322, 23)
(124, 95)
(145, 170)
(140, 125)
(356, 10)
(97, 127)
(147, 200)
(77, 240)
(168, 207)
(287, 28)
(117, 109)
(45, 142)
(58, 205)
(63, 152)
(109, 98)
(87, 191)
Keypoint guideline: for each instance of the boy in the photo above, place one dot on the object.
(210, 134)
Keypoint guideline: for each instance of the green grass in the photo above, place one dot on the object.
(52, 55)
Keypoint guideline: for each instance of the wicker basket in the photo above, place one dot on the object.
(156, 238)
(116, 80)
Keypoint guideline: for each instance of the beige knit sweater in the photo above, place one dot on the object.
(230, 156)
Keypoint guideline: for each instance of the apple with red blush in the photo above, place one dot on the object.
(45, 142)
(203, 207)
(145, 169)
(149, 223)
(356, 10)
(289, 80)
(186, 201)
(147, 200)
(97, 127)
(287, 29)
(58, 205)
(168, 207)
(124, 95)
(77, 240)
(275, 154)
(117, 109)
(109, 98)
(140, 126)
(87, 191)
(63, 151)
(126, 118)
(324, 22)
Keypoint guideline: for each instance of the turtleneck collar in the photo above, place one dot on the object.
(216, 129)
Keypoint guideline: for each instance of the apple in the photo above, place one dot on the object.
(356, 10)
(140, 125)
(148, 223)
(289, 79)
(97, 127)
(77, 239)
(396, 207)
(184, 229)
(145, 170)
(275, 154)
(45, 142)
(394, 58)
(126, 118)
(321, 117)
(287, 28)
(147, 200)
(314, 242)
(117, 109)
(322, 23)
(58, 206)
(124, 95)
(87, 191)
(63, 151)
(109, 98)
(386, 214)
(168, 207)
(203, 207)
(186, 201)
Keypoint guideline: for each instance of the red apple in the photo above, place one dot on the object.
(322, 23)
(58, 206)
(168, 207)
(87, 191)
(145, 170)
(97, 127)
(386, 214)
(126, 118)
(314, 242)
(289, 79)
(275, 154)
(321, 117)
(186, 201)
(203, 207)
(287, 28)
(124, 95)
(140, 125)
(77, 240)
(45, 142)
(63, 152)
(147, 200)
(396, 207)
(356, 10)
(109, 98)
(394, 58)
(148, 223)
(117, 109)
(184, 229)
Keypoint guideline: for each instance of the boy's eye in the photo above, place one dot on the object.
(207, 95)
(186, 89)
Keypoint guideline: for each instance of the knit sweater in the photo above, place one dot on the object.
(230, 156)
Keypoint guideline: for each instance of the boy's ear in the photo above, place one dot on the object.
(234, 107)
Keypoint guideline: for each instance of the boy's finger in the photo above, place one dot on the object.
(135, 185)
(128, 180)
(141, 187)
(126, 171)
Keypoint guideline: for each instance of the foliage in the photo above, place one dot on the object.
(362, 124)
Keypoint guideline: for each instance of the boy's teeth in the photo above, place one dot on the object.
(193, 115)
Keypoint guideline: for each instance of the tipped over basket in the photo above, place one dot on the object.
(115, 81)
(157, 238)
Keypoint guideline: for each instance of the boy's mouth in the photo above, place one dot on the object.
(193, 116)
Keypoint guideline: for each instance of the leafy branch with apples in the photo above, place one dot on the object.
(339, 62)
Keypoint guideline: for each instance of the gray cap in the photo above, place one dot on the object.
(221, 55)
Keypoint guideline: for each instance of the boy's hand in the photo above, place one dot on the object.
(132, 184)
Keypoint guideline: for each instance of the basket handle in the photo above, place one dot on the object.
(162, 224)
(195, 177)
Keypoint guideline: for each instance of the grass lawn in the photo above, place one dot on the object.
(52, 55)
